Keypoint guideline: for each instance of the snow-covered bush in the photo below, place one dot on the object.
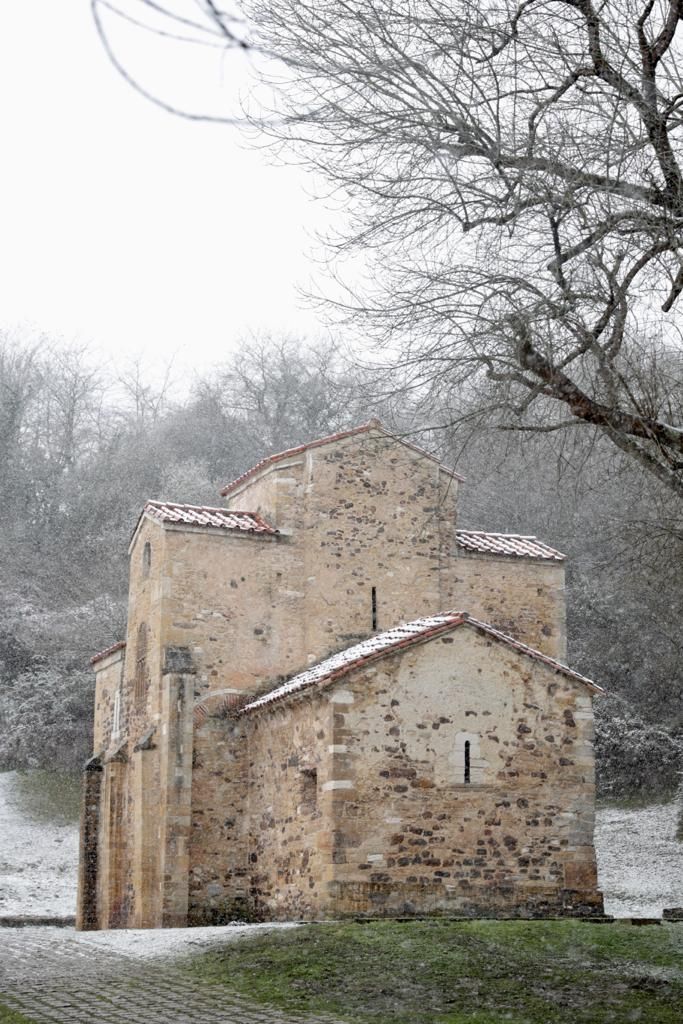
(46, 719)
(634, 758)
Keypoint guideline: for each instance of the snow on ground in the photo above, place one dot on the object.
(166, 942)
(639, 859)
(37, 860)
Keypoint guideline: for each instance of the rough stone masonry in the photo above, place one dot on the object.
(333, 702)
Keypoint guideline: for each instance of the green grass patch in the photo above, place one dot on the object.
(475, 972)
(8, 1016)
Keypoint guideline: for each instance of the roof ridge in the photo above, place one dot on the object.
(372, 424)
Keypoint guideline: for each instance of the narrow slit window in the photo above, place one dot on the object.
(116, 718)
(146, 559)
(467, 760)
(141, 664)
(374, 609)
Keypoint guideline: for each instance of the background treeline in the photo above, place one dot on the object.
(80, 452)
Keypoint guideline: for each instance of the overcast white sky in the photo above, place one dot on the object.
(124, 227)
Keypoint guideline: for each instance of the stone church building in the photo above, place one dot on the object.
(299, 726)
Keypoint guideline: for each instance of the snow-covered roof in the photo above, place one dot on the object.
(101, 655)
(506, 544)
(204, 515)
(371, 425)
(405, 635)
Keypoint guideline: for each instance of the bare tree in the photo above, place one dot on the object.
(281, 391)
(147, 402)
(21, 380)
(196, 23)
(513, 176)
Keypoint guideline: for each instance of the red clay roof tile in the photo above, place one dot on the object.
(107, 651)
(506, 544)
(205, 515)
(383, 644)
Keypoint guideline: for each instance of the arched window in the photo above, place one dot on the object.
(146, 559)
(141, 663)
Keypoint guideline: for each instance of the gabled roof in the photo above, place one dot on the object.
(365, 428)
(101, 655)
(397, 639)
(205, 515)
(506, 544)
(175, 514)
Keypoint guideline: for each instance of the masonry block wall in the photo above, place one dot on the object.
(399, 824)
(523, 597)
(291, 835)
(109, 684)
(220, 593)
(219, 883)
(361, 514)
(514, 839)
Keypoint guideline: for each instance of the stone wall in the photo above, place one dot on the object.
(382, 519)
(175, 789)
(397, 830)
(364, 512)
(123, 805)
(145, 596)
(523, 597)
(368, 513)
(518, 837)
(109, 679)
(87, 918)
(113, 883)
(219, 887)
(145, 840)
(234, 600)
(291, 833)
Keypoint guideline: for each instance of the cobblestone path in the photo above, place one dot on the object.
(51, 976)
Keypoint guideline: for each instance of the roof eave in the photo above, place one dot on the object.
(179, 525)
(116, 649)
(461, 618)
(353, 666)
(138, 526)
(558, 559)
